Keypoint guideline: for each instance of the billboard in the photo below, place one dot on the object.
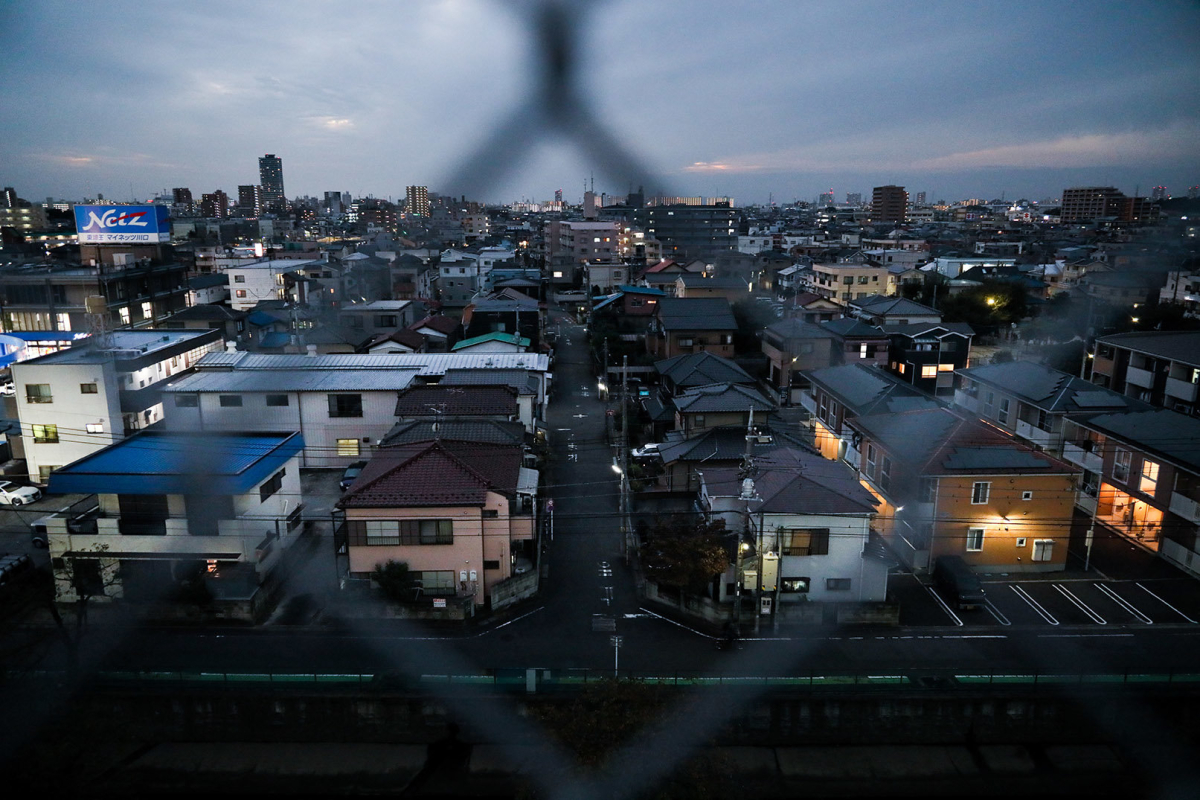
(122, 224)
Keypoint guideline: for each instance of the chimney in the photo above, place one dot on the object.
(231, 347)
(312, 350)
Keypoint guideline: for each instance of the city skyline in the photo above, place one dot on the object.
(783, 103)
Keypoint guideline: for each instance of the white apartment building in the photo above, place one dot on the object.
(77, 401)
(953, 267)
(260, 280)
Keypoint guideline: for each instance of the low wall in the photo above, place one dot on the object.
(511, 590)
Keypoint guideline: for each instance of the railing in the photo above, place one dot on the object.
(1185, 507)
(1182, 390)
(1087, 459)
(1139, 377)
(1034, 434)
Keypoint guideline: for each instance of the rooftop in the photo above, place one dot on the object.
(1050, 389)
(1159, 431)
(125, 345)
(701, 369)
(696, 314)
(493, 336)
(202, 463)
(435, 474)
(793, 481)
(1174, 345)
(869, 390)
(720, 397)
(457, 401)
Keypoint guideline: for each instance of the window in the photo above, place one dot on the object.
(1149, 476)
(87, 388)
(929, 487)
(427, 531)
(862, 351)
(437, 582)
(795, 585)
(885, 473)
(45, 434)
(124, 313)
(686, 342)
(698, 421)
(490, 513)
(347, 447)
(240, 293)
(44, 471)
(187, 400)
(1002, 417)
(979, 492)
(945, 367)
(837, 584)
(974, 540)
(863, 280)
(94, 427)
(1043, 549)
(804, 542)
(489, 564)
(38, 393)
(929, 371)
(385, 321)
(277, 400)
(231, 401)
(271, 486)
(345, 405)
(1121, 461)
(239, 278)
(1026, 495)
(147, 311)
(989, 404)
(870, 461)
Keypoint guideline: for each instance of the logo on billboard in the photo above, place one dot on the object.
(122, 224)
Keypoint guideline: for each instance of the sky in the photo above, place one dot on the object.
(754, 100)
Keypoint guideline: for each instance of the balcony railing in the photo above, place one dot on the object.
(1140, 377)
(1036, 435)
(1181, 390)
(1185, 507)
(1084, 458)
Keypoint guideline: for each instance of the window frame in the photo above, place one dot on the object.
(89, 388)
(344, 449)
(335, 409)
(38, 398)
(230, 400)
(276, 396)
(975, 537)
(44, 433)
(1122, 459)
(980, 497)
(817, 542)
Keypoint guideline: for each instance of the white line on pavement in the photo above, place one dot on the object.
(1165, 603)
(1123, 603)
(942, 603)
(1082, 606)
(1034, 604)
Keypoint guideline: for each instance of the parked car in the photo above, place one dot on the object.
(351, 474)
(956, 579)
(645, 451)
(12, 494)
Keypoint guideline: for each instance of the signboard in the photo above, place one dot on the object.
(122, 224)
(439, 602)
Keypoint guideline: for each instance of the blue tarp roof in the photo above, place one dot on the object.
(261, 318)
(179, 463)
(275, 339)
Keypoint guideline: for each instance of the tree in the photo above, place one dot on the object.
(396, 580)
(685, 553)
(85, 579)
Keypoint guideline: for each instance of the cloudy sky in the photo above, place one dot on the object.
(689, 97)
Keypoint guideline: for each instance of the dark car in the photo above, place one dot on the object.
(956, 579)
(351, 474)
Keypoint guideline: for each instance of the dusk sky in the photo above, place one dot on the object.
(717, 98)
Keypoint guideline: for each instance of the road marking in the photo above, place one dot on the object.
(1096, 618)
(1083, 635)
(1123, 603)
(1034, 604)
(517, 619)
(942, 603)
(572, 456)
(603, 623)
(995, 612)
(608, 595)
(1165, 603)
(676, 624)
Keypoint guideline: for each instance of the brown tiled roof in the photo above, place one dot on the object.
(435, 474)
(456, 401)
(408, 338)
(437, 322)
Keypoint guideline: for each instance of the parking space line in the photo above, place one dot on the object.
(1082, 606)
(942, 603)
(1123, 603)
(1165, 603)
(995, 612)
(1034, 604)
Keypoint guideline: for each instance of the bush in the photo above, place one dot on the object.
(396, 580)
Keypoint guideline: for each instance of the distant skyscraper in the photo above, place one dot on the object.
(854, 198)
(1089, 202)
(215, 204)
(1158, 193)
(920, 198)
(558, 195)
(417, 200)
(889, 203)
(825, 198)
(182, 196)
(9, 198)
(270, 178)
(250, 200)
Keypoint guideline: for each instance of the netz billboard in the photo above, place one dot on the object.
(122, 224)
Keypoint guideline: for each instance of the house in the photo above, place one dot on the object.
(791, 346)
(232, 324)
(731, 288)
(440, 332)
(856, 342)
(690, 325)
(926, 354)
(836, 395)
(681, 373)
(405, 341)
(208, 288)
(684, 460)
(809, 307)
(880, 311)
(530, 391)
(810, 523)
(99, 391)
(461, 515)
(486, 431)
(262, 280)
(718, 405)
(846, 281)
(381, 316)
(505, 311)
(1031, 401)
(440, 402)
(220, 508)
(494, 342)
(946, 485)
(1141, 477)
(341, 404)
(1159, 367)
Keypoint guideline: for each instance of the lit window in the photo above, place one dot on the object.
(929, 371)
(980, 491)
(147, 311)
(1149, 476)
(94, 427)
(347, 447)
(945, 368)
(45, 434)
(974, 540)
(124, 312)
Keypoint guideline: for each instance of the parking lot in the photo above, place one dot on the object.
(1066, 600)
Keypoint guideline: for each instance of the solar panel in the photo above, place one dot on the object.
(1099, 400)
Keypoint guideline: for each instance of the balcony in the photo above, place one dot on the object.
(966, 401)
(1181, 390)
(1185, 507)
(1140, 377)
(1083, 458)
(1036, 435)
(808, 403)
(1085, 502)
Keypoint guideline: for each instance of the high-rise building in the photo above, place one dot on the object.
(182, 196)
(889, 203)
(558, 195)
(1089, 202)
(854, 198)
(417, 200)
(250, 200)
(9, 198)
(1158, 193)
(920, 198)
(270, 178)
(215, 204)
(825, 198)
(688, 231)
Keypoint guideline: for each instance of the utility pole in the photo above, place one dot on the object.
(625, 528)
(747, 495)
